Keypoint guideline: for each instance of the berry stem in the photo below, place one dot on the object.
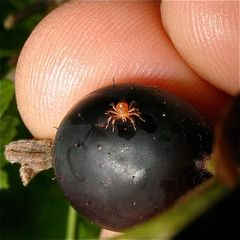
(71, 224)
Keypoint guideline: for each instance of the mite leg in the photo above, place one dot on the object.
(110, 111)
(132, 103)
(132, 109)
(113, 124)
(108, 122)
(138, 115)
(133, 123)
(113, 106)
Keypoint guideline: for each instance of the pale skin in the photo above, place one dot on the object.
(80, 47)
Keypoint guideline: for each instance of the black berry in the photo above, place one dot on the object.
(125, 153)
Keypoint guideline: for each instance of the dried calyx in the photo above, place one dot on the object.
(33, 155)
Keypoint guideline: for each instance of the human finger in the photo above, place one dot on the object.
(81, 46)
(206, 34)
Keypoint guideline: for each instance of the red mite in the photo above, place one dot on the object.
(122, 111)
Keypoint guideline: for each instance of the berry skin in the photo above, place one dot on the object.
(123, 177)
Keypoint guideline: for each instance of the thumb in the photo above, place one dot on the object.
(206, 34)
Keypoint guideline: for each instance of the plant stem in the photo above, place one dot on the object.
(71, 224)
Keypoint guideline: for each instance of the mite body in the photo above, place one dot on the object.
(124, 112)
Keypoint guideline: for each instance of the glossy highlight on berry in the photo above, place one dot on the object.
(125, 153)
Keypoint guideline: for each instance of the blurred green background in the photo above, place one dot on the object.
(38, 211)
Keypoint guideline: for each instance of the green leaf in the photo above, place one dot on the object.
(168, 224)
(7, 132)
(6, 94)
(86, 229)
(38, 211)
(3, 180)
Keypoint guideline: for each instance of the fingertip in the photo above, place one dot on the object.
(81, 46)
(107, 234)
(207, 36)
